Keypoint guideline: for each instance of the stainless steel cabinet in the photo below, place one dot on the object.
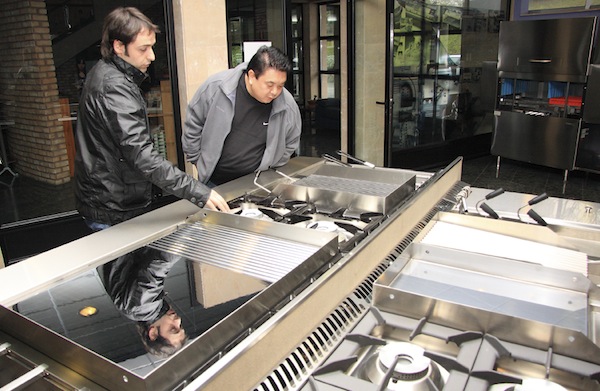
(547, 141)
(542, 83)
(554, 49)
(538, 121)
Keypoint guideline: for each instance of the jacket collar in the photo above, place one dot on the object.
(131, 72)
(230, 84)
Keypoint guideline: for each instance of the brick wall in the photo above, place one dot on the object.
(29, 93)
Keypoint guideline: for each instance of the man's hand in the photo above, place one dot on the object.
(216, 202)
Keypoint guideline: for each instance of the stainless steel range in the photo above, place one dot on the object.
(387, 351)
(325, 277)
(448, 319)
(346, 201)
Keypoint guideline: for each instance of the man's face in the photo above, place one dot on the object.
(139, 52)
(268, 86)
(169, 327)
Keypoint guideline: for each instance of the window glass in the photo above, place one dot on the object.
(330, 85)
(297, 54)
(439, 50)
(296, 21)
(329, 51)
(329, 20)
(330, 55)
(40, 102)
(253, 21)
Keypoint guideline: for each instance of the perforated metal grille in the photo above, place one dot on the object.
(293, 372)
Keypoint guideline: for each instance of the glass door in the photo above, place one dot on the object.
(435, 105)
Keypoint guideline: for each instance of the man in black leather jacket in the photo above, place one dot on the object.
(116, 164)
(135, 282)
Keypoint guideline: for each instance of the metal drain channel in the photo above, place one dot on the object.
(257, 255)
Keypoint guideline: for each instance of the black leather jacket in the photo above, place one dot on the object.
(135, 283)
(116, 163)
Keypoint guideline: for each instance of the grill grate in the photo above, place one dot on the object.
(254, 254)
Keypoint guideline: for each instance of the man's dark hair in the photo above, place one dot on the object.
(269, 57)
(123, 24)
(160, 347)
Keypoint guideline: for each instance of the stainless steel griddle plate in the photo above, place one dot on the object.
(354, 188)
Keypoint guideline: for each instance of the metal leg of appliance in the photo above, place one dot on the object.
(565, 181)
(497, 166)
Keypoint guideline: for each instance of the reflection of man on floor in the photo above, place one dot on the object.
(135, 283)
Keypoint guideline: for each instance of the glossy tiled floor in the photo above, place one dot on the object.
(29, 199)
(531, 179)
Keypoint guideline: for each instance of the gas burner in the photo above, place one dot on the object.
(345, 214)
(330, 226)
(529, 385)
(303, 214)
(403, 366)
(254, 213)
(257, 212)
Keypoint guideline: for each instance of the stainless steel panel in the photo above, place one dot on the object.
(547, 141)
(517, 301)
(358, 189)
(572, 221)
(554, 49)
(591, 113)
(588, 149)
(111, 374)
(18, 358)
(494, 284)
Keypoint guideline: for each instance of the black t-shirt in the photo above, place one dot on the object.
(245, 145)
